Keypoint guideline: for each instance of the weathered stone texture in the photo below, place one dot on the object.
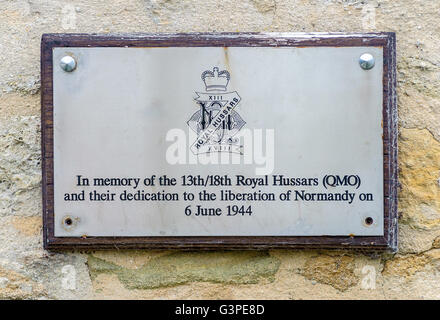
(336, 271)
(20, 169)
(27, 271)
(180, 267)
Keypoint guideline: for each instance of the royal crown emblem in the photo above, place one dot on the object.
(216, 80)
(216, 122)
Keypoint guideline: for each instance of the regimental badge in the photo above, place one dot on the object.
(217, 121)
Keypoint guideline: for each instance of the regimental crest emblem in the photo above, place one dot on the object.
(217, 121)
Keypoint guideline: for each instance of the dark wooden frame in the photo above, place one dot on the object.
(385, 40)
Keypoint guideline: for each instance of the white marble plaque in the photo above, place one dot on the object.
(214, 141)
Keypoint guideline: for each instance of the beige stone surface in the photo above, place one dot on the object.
(29, 272)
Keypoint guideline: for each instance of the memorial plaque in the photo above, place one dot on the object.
(219, 140)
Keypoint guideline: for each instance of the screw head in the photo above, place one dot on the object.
(68, 63)
(369, 221)
(69, 223)
(366, 61)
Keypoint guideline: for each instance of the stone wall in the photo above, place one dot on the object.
(27, 271)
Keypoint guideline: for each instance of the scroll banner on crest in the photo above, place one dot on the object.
(201, 144)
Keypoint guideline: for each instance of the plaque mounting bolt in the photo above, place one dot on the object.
(69, 223)
(366, 61)
(68, 63)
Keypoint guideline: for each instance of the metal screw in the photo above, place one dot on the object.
(69, 222)
(366, 61)
(369, 221)
(68, 64)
